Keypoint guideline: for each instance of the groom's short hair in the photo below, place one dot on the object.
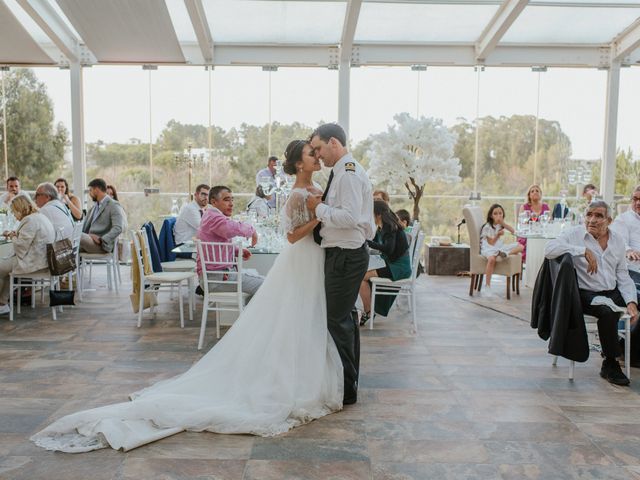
(328, 130)
(216, 191)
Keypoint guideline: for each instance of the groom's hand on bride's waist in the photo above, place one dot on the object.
(313, 201)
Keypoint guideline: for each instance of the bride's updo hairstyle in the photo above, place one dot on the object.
(293, 155)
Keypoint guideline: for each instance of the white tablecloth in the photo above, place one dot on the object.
(535, 259)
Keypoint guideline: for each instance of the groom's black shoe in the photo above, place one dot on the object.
(349, 401)
(364, 318)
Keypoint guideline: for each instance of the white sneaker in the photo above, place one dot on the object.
(4, 309)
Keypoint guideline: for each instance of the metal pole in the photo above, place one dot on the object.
(535, 141)
(4, 127)
(150, 136)
(608, 169)
(418, 98)
(269, 148)
(477, 145)
(77, 132)
(344, 92)
(210, 159)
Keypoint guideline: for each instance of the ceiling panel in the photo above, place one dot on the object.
(276, 22)
(570, 25)
(121, 31)
(422, 23)
(16, 45)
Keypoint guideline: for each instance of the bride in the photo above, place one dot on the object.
(275, 369)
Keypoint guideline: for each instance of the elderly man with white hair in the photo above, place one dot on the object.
(601, 266)
(48, 201)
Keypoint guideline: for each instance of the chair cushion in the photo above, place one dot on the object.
(178, 266)
(43, 274)
(169, 277)
(225, 297)
(96, 256)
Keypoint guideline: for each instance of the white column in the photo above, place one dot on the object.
(77, 132)
(608, 172)
(344, 84)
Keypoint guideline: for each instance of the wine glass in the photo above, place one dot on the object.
(267, 183)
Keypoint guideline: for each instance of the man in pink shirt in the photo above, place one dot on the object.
(217, 226)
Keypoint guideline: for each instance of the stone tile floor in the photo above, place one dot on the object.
(472, 396)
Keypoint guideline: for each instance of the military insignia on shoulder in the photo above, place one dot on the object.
(350, 167)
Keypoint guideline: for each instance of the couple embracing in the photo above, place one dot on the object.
(293, 354)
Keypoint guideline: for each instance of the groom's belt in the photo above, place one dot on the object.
(348, 249)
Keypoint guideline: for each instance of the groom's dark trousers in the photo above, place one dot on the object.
(344, 270)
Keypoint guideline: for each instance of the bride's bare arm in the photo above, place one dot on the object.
(302, 231)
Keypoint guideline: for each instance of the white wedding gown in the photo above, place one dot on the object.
(275, 369)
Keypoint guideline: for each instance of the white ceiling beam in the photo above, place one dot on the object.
(201, 27)
(627, 42)
(464, 55)
(284, 56)
(55, 28)
(349, 29)
(498, 26)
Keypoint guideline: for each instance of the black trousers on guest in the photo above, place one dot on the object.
(607, 319)
(344, 270)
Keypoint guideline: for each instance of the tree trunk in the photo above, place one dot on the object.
(415, 192)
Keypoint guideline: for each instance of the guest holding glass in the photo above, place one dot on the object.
(13, 190)
(392, 242)
(533, 207)
(70, 200)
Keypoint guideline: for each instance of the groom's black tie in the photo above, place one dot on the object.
(316, 230)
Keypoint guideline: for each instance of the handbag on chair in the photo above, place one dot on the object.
(61, 258)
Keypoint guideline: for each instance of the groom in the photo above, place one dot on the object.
(345, 211)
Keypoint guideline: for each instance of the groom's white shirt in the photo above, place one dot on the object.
(347, 213)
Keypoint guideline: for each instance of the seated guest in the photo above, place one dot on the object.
(259, 203)
(52, 208)
(217, 226)
(70, 200)
(535, 207)
(381, 195)
(112, 192)
(30, 240)
(392, 242)
(627, 225)
(599, 258)
(13, 190)
(405, 220)
(492, 244)
(190, 215)
(105, 220)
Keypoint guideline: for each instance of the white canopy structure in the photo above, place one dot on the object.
(335, 34)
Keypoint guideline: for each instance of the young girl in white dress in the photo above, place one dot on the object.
(492, 245)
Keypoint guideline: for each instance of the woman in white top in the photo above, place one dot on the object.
(492, 245)
(29, 245)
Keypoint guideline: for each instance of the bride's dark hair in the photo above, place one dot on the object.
(292, 155)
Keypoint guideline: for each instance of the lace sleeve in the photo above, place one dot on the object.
(295, 212)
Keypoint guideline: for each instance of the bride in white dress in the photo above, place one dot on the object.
(275, 369)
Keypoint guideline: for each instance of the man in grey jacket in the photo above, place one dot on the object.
(104, 222)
